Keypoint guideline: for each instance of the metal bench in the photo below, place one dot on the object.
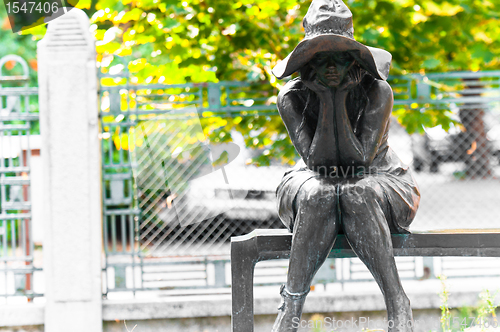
(266, 244)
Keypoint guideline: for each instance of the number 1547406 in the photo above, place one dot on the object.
(15, 7)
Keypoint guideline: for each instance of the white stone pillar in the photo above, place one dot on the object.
(72, 175)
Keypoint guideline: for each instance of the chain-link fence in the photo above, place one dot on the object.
(159, 166)
(193, 196)
(457, 170)
(169, 192)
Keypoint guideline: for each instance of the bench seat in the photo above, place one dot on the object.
(266, 244)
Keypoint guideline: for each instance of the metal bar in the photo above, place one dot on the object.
(27, 104)
(210, 113)
(103, 75)
(155, 86)
(31, 246)
(110, 147)
(219, 110)
(243, 99)
(105, 232)
(141, 261)
(113, 232)
(13, 235)
(31, 294)
(124, 235)
(20, 116)
(12, 169)
(24, 234)
(14, 126)
(222, 290)
(117, 176)
(117, 212)
(14, 216)
(183, 110)
(2, 160)
(16, 259)
(4, 237)
(120, 149)
(28, 158)
(459, 74)
(131, 231)
(5, 279)
(466, 91)
(187, 104)
(181, 278)
(166, 96)
(21, 150)
(3, 197)
(14, 181)
(16, 206)
(128, 96)
(13, 91)
(21, 78)
(200, 95)
(132, 247)
(182, 261)
(443, 102)
(116, 166)
(10, 160)
(24, 294)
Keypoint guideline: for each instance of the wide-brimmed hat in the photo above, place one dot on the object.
(328, 27)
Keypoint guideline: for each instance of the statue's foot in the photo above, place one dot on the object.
(290, 311)
(400, 317)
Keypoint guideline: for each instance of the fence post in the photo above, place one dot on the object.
(72, 191)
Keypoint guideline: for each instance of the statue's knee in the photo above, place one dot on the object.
(352, 196)
(317, 195)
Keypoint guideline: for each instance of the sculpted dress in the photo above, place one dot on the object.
(396, 189)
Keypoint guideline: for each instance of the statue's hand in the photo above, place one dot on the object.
(351, 80)
(315, 85)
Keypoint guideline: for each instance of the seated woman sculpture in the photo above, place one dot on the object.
(348, 180)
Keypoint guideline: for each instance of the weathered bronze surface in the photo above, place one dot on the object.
(348, 180)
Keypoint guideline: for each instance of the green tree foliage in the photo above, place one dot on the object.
(171, 41)
(199, 41)
(243, 40)
(210, 40)
(22, 45)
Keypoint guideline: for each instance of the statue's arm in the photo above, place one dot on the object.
(316, 147)
(290, 107)
(361, 151)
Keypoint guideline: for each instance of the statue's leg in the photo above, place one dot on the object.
(314, 232)
(367, 231)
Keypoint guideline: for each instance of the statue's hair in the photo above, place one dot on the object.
(356, 102)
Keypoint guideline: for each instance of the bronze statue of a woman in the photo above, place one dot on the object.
(348, 180)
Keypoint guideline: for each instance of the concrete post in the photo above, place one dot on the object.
(72, 187)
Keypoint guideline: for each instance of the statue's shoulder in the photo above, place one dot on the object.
(381, 97)
(293, 85)
(383, 86)
(377, 86)
(294, 91)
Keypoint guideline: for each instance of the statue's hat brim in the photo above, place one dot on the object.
(374, 60)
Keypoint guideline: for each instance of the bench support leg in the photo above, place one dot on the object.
(243, 259)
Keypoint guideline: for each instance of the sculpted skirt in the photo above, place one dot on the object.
(397, 192)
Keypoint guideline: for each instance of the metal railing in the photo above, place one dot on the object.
(18, 120)
(162, 219)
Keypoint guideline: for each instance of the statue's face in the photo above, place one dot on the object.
(332, 67)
